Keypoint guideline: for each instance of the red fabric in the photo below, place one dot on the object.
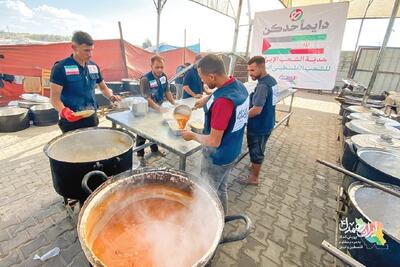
(29, 60)
(221, 113)
(231, 80)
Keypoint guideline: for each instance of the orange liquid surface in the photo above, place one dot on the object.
(148, 233)
(182, 120)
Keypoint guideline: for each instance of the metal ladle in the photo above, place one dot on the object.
(182, 110)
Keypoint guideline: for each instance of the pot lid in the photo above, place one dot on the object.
(372, 117)
(375, 141)
(357, 108)
(11, 111)
(360, 99)
(385, 161)
(373, 127)
(378, 205)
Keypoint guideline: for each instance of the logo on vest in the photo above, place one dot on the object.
(242, 115)
(163, 80)
(93, 69)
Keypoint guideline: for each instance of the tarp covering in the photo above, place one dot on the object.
(378, 9)
(166, 47)
(29, 60)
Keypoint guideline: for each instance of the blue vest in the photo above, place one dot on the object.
(231, 143)
(78, 91)
(263, 123)
(158, 86)
(195, 84)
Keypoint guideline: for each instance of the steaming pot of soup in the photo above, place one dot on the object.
(152, 217)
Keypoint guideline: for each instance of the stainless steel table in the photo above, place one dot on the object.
(155, 130)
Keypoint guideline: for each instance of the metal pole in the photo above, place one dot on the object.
(158, 25)
(235, 38)
(184, 47)
(353, 58)
(250, 28)
(122, 45)
(382, 50)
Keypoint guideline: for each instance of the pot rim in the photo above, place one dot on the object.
(129, 175)
(18, 110)
(369, 149)
(57, 138)
(356, 185)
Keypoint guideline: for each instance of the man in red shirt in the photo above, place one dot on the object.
(226, 114)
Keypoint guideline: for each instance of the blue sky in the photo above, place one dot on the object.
(138, 19)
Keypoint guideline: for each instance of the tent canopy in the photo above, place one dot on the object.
(29, 60)
(378, 9)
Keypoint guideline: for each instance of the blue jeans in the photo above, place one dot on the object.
(218, 178)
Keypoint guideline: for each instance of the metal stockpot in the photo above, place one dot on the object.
(127, 189)
(13, 119)
(74, 154)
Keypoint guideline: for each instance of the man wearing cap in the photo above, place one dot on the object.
(226, 114)
(72, 84)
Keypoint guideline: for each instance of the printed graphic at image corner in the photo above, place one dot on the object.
(351, 232)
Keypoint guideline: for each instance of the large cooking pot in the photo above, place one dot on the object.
(76, 153)
(13, 119)
(379, 165)
(349, 157)
(153, 217)
(372, 204)
(44, 115)
(373, 117)
(372, 127)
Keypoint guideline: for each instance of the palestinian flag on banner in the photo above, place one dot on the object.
(71, 70)
(287, 44)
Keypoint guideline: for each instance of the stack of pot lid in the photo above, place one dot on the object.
(373, 117)
(373, 127)
(361, 109)
(385, 161)
(377, 205)
(356, 99)
(375, 141)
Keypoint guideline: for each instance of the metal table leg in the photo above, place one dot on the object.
(290, 109)
(182, 163)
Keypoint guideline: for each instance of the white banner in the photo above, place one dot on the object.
(301, 45)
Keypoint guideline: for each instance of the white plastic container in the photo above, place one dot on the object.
(139, 106)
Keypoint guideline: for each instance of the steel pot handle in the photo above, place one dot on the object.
(242, 235)
(117, 161)
(98, 166)
(98, 175)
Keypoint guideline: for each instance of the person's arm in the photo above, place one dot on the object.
(222, 112)
(187, 89)
(107, 92)
(170, 97)
(188, 79)
(57, 81)
(145, 90)
(254, 111)
(258, 101)
(201, 102)
(212, 140)
(55, 96)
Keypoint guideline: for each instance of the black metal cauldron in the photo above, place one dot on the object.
(74, 154)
